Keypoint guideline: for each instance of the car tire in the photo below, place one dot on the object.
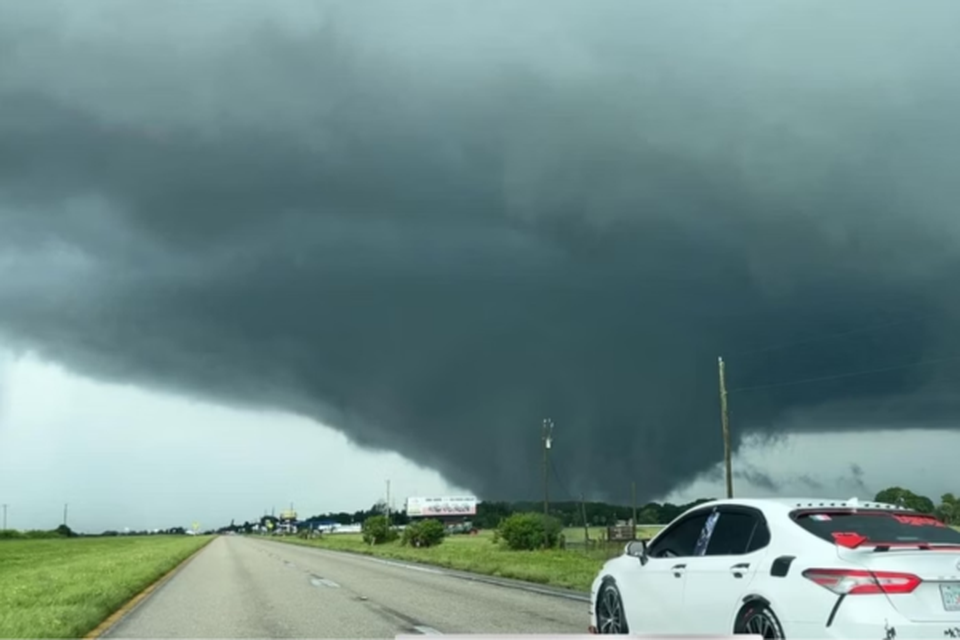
(758, 619)
(611, 619)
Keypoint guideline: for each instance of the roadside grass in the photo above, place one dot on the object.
(572, 568)
(64, 588)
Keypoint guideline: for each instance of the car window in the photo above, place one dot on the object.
(681, 539)
(877, 527)
(761, 537)
(732, 534)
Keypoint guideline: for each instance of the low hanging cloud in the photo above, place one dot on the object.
(432, 225)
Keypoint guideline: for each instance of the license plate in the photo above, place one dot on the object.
(950, 593)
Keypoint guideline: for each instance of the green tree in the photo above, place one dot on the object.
(906, 498)
(949, 509)
(377, 530)
(425, 533)
(530, 531)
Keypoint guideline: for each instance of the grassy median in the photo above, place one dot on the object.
(573, 568)
(64, 588)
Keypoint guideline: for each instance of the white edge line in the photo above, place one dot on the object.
(532, 588)
(484, 579)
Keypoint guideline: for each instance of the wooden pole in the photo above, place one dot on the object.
(725, 424)
(586, 525)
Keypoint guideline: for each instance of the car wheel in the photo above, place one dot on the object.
(758, 619)
(610, 617)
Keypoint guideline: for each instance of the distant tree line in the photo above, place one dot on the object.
(570, 514)
(172, 531)
(63, 531)
(947, 510)
(490, 515)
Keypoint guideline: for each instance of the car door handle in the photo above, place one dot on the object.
(678, 570)
(737, 569)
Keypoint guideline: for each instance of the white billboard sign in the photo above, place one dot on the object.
(454, 506)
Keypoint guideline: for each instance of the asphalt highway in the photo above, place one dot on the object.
(240, 587)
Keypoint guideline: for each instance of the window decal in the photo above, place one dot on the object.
(919, 521)
(848, 539)
(705, 534)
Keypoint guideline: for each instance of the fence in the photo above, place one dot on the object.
(603, 549)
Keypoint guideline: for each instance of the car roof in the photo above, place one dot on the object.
(786, 505)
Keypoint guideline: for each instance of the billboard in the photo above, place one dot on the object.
(452, 506)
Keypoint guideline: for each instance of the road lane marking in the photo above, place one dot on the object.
(408, 566)
(317, 581)
(427, 631)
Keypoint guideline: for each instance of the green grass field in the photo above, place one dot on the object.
(574, 567)
(64, 588)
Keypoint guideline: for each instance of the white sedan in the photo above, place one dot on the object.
(780, 568)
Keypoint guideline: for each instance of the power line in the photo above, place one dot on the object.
(852, 374)
(556, 475)
(831, 336)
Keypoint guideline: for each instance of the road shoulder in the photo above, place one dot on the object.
(510, 583)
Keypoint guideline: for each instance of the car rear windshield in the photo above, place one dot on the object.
(876, 527)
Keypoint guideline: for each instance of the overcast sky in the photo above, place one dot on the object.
(70, 440)
(123, 457)
(306, 236)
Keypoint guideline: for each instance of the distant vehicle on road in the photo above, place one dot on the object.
(781, 568)
(460, 527)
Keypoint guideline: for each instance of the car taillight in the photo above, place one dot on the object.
(852, 582)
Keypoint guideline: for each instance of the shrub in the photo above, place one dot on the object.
(377, 530)
(529, 531)
(425, 533)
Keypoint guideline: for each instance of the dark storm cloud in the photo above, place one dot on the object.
(747, 473)
(432, 227)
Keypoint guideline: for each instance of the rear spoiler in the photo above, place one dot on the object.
(855, 541)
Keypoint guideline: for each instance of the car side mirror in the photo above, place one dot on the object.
(638, 549)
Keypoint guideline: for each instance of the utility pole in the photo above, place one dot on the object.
(547, 441)
(586, 525)
(633, 493)
(4, 517)
(65, 505)
(388, 501)
(725, 424)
